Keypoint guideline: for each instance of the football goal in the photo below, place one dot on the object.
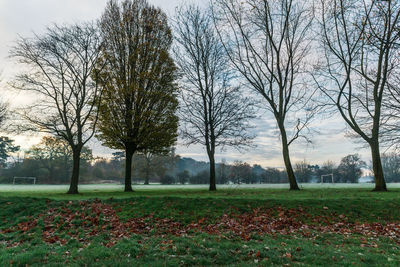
(327, 176)
(21, 180)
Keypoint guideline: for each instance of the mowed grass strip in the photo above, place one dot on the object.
(84, 232)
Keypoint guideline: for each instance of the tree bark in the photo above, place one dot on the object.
(286, 159)
(213, 186)
(76, 157)
(128, 170)
(147, 178)
(380, 184)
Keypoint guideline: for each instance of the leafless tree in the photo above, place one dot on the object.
(270, 41)
(149, 157)
(390, 132)
(360, 41)
(3, 108)
(58, 68)
(213, 113)
(3, 112)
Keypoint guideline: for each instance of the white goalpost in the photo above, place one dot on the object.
(327, 175)
(24, 178)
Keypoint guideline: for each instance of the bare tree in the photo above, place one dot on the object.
(214, 113)
(148, 163)
(60, 65)
(3, 109)
(3, 112)
(391, 167)
(148, 156)
(390, 132)
(270, 44)
(360, 40)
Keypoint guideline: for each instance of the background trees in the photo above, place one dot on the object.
(154, 166)
(54, 157)
(267, 43)
(147, 163)
(183, 177)
(214, 113)
(7, 147)
(50, 161)
(391, 167)
(303, 171)
(274, 176)
(137, 112)
(349, 169)
(360, 41)
(222, 172)
(59, 66)
(240, 172)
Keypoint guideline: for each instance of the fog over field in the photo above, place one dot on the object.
(117, 187)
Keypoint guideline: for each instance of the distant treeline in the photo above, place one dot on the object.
(51, 163)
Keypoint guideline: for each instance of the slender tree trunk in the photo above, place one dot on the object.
(76, 157)
(380, 184)
(147, 178)
(213, 186)
(128, 170)
(286, 159)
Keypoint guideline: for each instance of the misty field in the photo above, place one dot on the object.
(263, 225)
(85, 188)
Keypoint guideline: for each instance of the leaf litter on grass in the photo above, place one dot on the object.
(84, 220)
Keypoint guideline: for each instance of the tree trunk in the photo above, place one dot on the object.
(147, 178)
(286, 159)
(380, 184)
(76, 156)
(213, 186)
(128, 170)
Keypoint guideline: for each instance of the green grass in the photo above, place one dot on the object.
(157, 247)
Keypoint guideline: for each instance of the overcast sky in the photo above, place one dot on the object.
(22, 17)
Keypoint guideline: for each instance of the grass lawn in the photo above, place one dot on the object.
(183, 226)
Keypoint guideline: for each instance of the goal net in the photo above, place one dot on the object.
(327, 177)
(24, 180)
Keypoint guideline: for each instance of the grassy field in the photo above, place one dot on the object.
(189, 226)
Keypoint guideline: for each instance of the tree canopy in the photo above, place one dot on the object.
(6, 148)
(138, 108)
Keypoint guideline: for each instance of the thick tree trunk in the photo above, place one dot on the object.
(76, 157)
(380, 184)
(286, 159)
(213, 186)
(128, 170)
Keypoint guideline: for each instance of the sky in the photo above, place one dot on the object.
(28, 16)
